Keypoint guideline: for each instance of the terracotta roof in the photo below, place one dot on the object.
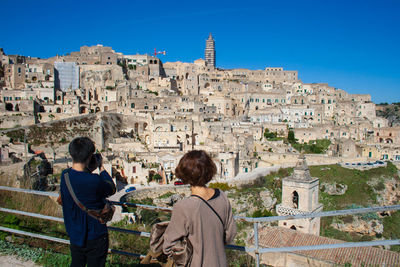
(362, 256)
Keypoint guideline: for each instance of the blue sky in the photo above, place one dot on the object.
(353, 44)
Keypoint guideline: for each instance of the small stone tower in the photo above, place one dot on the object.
(210, 51)
(300, 196)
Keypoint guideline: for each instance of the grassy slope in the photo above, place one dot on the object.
(358, 191)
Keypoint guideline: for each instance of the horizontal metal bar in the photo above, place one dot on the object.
(248, 219)
(64, 241)
(147, 207)
(29, 191)
(333, 246)
(126, 253)
(61, 220)
(319, 214)
(240, 248)
(30, 214)
(53, 194)
(111, 228)
(19, 232)
(127, 231)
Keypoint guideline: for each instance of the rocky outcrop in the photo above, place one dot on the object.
(359, 226)
(334, 188)
(100, 76)
(387, 191)
(247, 204)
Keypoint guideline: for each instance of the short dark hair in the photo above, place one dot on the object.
(196, 168)
(81, 149)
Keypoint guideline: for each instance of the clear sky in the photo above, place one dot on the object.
(353, 44)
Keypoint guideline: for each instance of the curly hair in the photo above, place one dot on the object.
(196, 168)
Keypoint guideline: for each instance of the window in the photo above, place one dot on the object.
(134, 169)
(132, 105)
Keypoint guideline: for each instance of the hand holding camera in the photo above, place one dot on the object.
(95, 162)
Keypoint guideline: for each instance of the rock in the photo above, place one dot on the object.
(359, 226)
(268, 201)
(174, 198)
(14, 239)
(387, 191)
(334, 189)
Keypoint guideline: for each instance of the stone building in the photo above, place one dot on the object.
(300, 196)
(14, 76)
(210, 51)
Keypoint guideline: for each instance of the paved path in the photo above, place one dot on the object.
(12, 261)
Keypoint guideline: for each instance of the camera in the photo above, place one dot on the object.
(95, 162)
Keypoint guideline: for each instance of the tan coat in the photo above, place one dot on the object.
(194, 219)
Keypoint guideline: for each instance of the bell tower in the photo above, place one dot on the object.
(210, 51)
(300, 196)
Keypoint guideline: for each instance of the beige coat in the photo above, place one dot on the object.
(194, 219)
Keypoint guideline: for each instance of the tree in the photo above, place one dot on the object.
(291, 138)
(269, 135)
(157, 177)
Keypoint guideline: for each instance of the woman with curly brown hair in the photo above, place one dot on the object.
(205, 217)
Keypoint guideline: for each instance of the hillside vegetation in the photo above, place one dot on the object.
(364, 189)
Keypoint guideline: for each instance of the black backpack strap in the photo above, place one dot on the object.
(211, 209)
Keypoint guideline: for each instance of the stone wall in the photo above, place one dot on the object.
(16, 119)
(288, 159)
(155, 192)
(291, 259)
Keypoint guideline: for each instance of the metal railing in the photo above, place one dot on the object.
(256, 221)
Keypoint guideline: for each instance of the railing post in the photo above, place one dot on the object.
(256, 244)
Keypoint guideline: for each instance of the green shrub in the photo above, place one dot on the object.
(391, 228)
(261, 213)
(166, 195)
(222, 186)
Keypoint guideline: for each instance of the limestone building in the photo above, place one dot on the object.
(300, 196)
(210, 51)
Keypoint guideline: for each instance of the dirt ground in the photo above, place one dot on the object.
(12, 261)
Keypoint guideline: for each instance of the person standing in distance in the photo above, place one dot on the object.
(88, 237)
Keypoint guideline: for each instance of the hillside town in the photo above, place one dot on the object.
(246, 119)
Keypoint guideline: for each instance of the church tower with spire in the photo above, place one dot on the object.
(210, 51)
(300, 196)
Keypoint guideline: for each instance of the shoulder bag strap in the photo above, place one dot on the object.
(76, 200)
(71, 191)
(211, 209)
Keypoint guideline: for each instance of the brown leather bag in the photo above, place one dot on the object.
(59, 199)
(181, 255)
